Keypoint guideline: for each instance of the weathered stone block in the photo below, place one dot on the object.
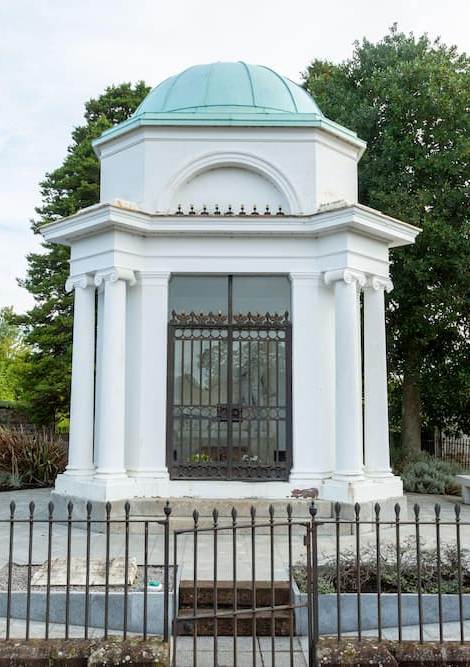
(81, 652)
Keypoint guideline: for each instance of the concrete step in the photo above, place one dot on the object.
(244, 625)
(225, 593)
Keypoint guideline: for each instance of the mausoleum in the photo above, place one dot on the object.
(229, 322)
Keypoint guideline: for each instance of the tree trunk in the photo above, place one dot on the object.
(411, 409)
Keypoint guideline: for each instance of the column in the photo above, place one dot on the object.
(147, 435)
(377, 455)
(98, 358)
(110, 454)
(80, 463)
(312, 380)
(348, 405)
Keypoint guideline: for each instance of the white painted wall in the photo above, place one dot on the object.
(229, 186)
(149, 166)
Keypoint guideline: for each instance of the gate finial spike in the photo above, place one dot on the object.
(337, 509)
(234, 514)
(312, 509)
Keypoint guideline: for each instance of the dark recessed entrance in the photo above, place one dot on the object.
(229, 378)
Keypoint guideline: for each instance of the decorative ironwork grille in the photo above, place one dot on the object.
(229, 396)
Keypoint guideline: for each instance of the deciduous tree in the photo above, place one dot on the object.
(409, 98)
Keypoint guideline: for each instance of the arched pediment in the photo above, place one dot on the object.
(230, 179)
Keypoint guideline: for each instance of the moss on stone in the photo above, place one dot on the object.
(83, 652)
(409, 653)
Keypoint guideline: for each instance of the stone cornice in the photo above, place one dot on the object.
(347, 217)
(82, 281)
(114, 274)
(348, 276)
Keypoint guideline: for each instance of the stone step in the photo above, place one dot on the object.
(153, 508)
(225, 594)
(244, 625)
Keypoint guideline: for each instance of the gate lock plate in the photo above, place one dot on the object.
(233, 413)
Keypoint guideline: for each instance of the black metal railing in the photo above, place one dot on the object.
(300, 571)
(455, 449)
(58, 603)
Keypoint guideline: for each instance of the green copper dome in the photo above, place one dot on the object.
(227, 95)
(228, 88)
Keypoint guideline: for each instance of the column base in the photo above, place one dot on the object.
(306, 480)
(146, 473)
(361, 490)
(84, 473)
(379, 474)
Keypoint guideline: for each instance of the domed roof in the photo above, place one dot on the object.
(227, 95)
(228, 88)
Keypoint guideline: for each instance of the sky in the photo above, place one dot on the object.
(56, 54)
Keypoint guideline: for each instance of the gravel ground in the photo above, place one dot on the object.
(19, 580)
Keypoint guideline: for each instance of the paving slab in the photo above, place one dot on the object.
(77, 567)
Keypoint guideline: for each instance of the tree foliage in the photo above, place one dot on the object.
(14, 357)
(70, 187)
(409, 98)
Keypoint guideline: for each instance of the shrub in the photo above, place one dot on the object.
(431, 476)
(348, 571)
(30, 458)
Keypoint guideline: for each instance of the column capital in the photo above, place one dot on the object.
(82, 280)
(378, 283)
(308, 276)
(155, 278)
(114, 274)
(346, 275)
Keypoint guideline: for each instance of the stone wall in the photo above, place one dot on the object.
(13, 416)
(81, 652)
(372, 652)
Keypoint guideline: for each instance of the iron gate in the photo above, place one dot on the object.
(229, 396)
(231, 590)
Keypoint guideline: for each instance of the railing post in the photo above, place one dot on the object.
(314, 537)
(166, 570)
(50, 507)
(127, 508)
(10, 567)
(67, 575)
(30, 560)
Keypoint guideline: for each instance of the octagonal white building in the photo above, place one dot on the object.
(223, 286)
